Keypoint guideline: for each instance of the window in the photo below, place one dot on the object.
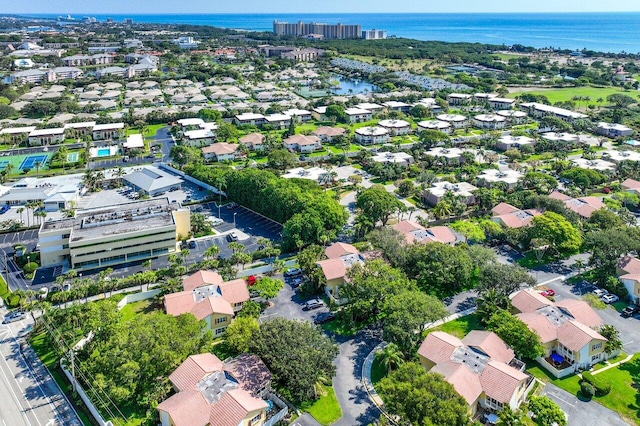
(595, 357)
(596, 346)
(220, 331)
(221, 320)
(256, 419)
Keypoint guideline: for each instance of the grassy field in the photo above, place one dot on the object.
(460, 327)
(570, 384)
(624, 397)
(567, 93)
(325, 409)
(131, 310)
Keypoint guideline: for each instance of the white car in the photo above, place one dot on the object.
(609, 298)
(600, 292)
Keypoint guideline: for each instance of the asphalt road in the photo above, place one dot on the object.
(30, 396)
(580, 413)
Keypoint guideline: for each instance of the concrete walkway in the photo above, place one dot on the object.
(614, 365)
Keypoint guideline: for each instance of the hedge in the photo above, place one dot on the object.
(602, 386)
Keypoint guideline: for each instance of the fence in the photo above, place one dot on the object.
(277, 402)
(136, 297)
(85, 398)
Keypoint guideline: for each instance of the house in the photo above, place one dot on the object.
(613, 130)
(456, 120)
(507, 142)
(459, 99)
(358, 115)
(208, 298)
(541, 110)
(302, 143)
(250, 118)
(326, 134)
(583, 206)
(395, 127)
(489, 121)
(632, 186)
(481, 368)
(107, 131)
(397, 106)
(76, 60)
(340, 257)
(299, 115)
(368, 106)
(400, 158)
(414, 232)
(512, 217)
(79, 129)
(16, 134)
(628, 271)
(440, 126)
(42, 137)
(513, 116)
(253, 141)
(220, 151)
(134, 141)
(278, 121)
(211, 392)
(508, 177)
(449, 155)
(371, 135)
(567, 330)
(196, 138)
(439, 190)
(501, 103)
(319, 113)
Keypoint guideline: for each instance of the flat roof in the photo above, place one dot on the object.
(108, 126)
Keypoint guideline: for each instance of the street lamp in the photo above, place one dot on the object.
(234, 219)
(219, 206)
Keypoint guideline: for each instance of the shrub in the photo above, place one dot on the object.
(587, 389)
(602, 386)
(30, 267)
(12, 300)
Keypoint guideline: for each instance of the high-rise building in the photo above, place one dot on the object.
(314, 28)
(374, 34)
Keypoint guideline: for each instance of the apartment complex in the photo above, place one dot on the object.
(313, 28)
(113, 235)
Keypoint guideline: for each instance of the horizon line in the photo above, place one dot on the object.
(325, 13)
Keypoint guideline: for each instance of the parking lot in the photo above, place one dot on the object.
(243, 219)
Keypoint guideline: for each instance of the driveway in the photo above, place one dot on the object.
(582, 413)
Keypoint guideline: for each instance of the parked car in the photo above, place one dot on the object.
(323, 317)
(312, 304)
(292, 272)
(232, 236)
(630, 311)
(232, 206)
(13, 317)
(297, 281)
(192, 244)
(609, 298)
(548, 293)
(5, 208)
(600, 292)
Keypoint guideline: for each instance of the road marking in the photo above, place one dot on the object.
(628, 343)
(15, 397)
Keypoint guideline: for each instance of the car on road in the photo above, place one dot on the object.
(600, 292)
(630, 311)
(610, 298)
(323, 317)
(548, 293)
(13, 317)
(292, 272)
(232, 236)
(312, 304)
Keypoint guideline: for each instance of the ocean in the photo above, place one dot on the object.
(606, 32)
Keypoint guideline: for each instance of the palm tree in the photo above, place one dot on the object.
(119, 173)
(20, 210)
(220, 182)
(390, 357)
(212, 252)
(37, 165)
(185, 254)
(442, 209)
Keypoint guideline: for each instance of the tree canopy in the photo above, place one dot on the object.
(515, 333)
(438, 268)
(557, 231)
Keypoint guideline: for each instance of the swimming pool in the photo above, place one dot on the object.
(103, 152)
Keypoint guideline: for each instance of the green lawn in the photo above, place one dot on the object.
(567, 93)
(342, 328)
(571, 384)
(624, 397)
(325, 409)
(460, 327)
(130, 310)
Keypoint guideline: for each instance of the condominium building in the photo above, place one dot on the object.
(112, 235)
(325, 30)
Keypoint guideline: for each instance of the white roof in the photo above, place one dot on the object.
(489, 118)
(369, 106)
(320, 109)
(296, 112)
(520, 140)
(191, 122)
(198, 134)
(394, 124)
(389, 157)
(372, 131)
(465, 189)
(277, 117)
(80, 125)
(502, 100)
(46, 132)
(614, 126)
(395, 104)
(17, 130)
(134, 141)
(434, 124)
(512, 113)
(507, 175)
(108, 126)
(249, 116)
(356, 111)
(451, 117)
(553, 110)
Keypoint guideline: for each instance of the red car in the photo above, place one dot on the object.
(548, 293)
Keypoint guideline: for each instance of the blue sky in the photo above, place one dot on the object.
(325, 6)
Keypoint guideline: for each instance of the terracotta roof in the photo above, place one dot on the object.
(250, 372)
(490, 344)
(559, 196)
(441, 234)
(201, 278)
(581, 312)
(302, 140)
(630, 265)
(233, 407)
(187, 408)
(336, 250)
(634, 277)
(329, 131)
(529, 301)
(193, 369)
(333, 268)
(584, 206)
(220, 148)
(405, 226)
(631, 184)
(503, 208)
(438, 346)
(575, 335)
(252, 139)
(235, 291)
(518, 218)
(464, 381)
(539, 325)
(500, 381)
(210, 306)
(179, 303)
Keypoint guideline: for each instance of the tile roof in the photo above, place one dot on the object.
(337, 250)
(438, 346)
(235, 291)
(250, 372)
(631, 184)
(529, 301)
(406, 226)
(210, 306)
(490, 344)
(201, 278)
(333, 268)
(540, 325)
(329, 131)
(252, 139)
(575, 336)
(581, 312)
(233, 407)
(518, 218)
(465, 382)
(220, 148)
(193, 369)
(630, 265)
(500, 381)
(187, 408)
(203, 296)
(583, 206)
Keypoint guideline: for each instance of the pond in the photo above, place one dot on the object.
(348, 86)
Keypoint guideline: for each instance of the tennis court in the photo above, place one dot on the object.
(4, 164)
(29, 162)
(72, 157)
